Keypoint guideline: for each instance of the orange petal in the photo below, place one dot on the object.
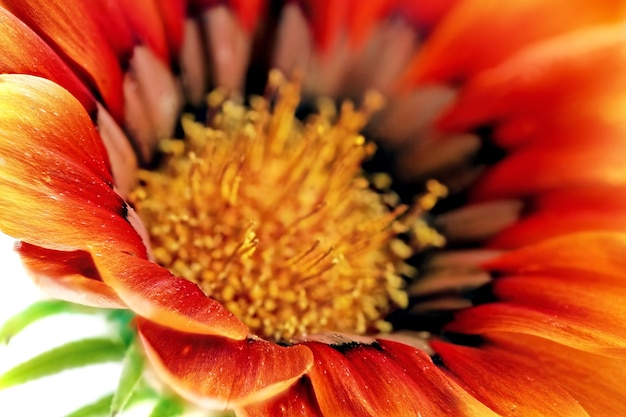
(385, 378)
(153, 292)
(63, 28)
(583, 311)
(69, 276)
(55, 176)
(483, 33)
(441, 396)
(538, 168)
(24, 52)
(515, 318)
(506, 382)
(597, 382)
(606, 199)
(548, 224)
(56, 189)
(560, 212)
(577, 254)
(357, 379)
(220, 373)
(298, 401)
(530, 96)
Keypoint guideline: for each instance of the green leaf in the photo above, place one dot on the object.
(131, 376)
(142, 393)
(168, 407)
(71, 355)
(99, 408)
(38, 311)
(123, 322)
(102, 407)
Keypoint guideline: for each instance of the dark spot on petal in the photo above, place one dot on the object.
(438, 360)
(345, 348)
(123, 211)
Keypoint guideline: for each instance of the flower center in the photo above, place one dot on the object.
(274, 218)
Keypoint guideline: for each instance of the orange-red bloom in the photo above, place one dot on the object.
(545, 336)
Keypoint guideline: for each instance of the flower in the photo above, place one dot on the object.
(543, 333)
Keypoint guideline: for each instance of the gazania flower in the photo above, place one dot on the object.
(284, 291)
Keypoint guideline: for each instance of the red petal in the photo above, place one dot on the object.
(425, 14)
(69, 276)
(540, 167)
(583, 311)
(531, 97)
(110, 18)
(63, 28)
(24, 52)
(297, 401)
(249, 12)
(364, 16)
(560, 212)
(506, 382)
(386, 378)
(597, 382)
(153, 292)
(220, 373)
(56, 189)
(327, 18)
(173, 14)
(144, 19)
(480, 33)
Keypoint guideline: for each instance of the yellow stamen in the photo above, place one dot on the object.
(274, 218)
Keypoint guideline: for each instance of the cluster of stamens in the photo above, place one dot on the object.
(274, 218)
